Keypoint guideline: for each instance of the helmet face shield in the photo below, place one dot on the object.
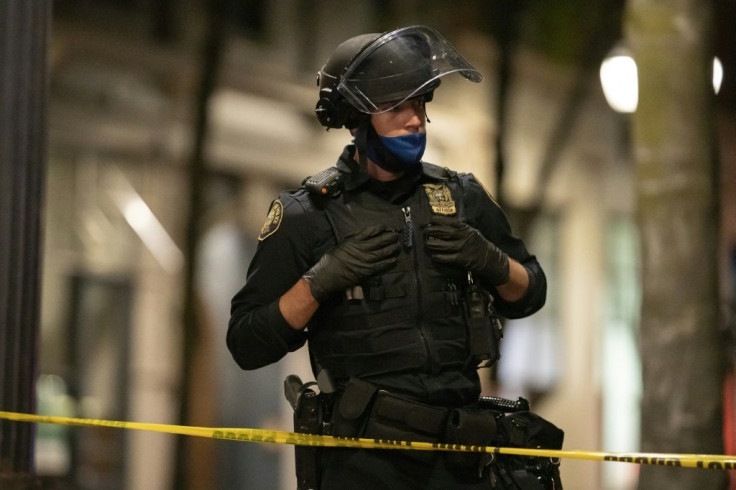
(400, 65)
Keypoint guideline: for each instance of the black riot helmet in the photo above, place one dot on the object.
(373, 73)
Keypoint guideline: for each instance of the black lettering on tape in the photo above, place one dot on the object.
(647, 460)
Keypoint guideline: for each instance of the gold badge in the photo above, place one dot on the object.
(273, 220)
(440, 199)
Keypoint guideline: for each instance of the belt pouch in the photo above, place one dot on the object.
(352, 407)
(527, 429)
(396, 418)
(470, 428)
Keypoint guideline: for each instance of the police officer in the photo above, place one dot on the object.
(390, 268)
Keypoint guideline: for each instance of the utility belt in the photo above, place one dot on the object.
(363, 410)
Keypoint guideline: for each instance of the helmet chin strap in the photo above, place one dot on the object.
(361, 138)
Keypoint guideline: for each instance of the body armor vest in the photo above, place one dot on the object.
(409, 318)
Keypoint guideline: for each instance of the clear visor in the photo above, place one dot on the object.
(399, 65)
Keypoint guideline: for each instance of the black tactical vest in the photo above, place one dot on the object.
(409, 318)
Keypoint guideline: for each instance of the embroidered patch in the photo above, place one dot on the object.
(273, 220)
(440, 199)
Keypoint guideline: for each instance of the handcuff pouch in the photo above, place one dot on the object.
(469, 427)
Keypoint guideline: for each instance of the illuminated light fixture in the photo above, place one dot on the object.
(619, 79)
(717, 74)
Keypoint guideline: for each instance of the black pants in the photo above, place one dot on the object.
(394, 469)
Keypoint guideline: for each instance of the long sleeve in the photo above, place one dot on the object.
(294, 237)
(487, 216)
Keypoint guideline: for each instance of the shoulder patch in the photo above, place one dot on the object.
(440, 199)
(273, 220)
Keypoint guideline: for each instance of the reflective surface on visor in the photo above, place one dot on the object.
(399, 65)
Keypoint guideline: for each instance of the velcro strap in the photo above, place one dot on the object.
(378, 293)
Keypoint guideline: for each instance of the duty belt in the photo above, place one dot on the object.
(363, 410)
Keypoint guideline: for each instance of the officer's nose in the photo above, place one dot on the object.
(415, 119)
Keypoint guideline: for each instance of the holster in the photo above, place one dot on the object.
(308, 416)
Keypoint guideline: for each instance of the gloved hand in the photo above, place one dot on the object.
(358, 257)
(452, 242)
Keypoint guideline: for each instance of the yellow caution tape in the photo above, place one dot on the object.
(710, 461)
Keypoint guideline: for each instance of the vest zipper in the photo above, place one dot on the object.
(408, 240)
(407, 234)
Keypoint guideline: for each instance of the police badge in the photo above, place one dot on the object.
(273, 220)
(440, 199)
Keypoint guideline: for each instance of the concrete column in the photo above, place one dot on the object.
(24, 26)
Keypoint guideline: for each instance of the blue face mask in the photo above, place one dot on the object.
(408, 148)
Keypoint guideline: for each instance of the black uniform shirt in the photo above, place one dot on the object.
(297, 235)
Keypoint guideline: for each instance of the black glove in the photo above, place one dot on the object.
(450, 241)
(358, 257)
